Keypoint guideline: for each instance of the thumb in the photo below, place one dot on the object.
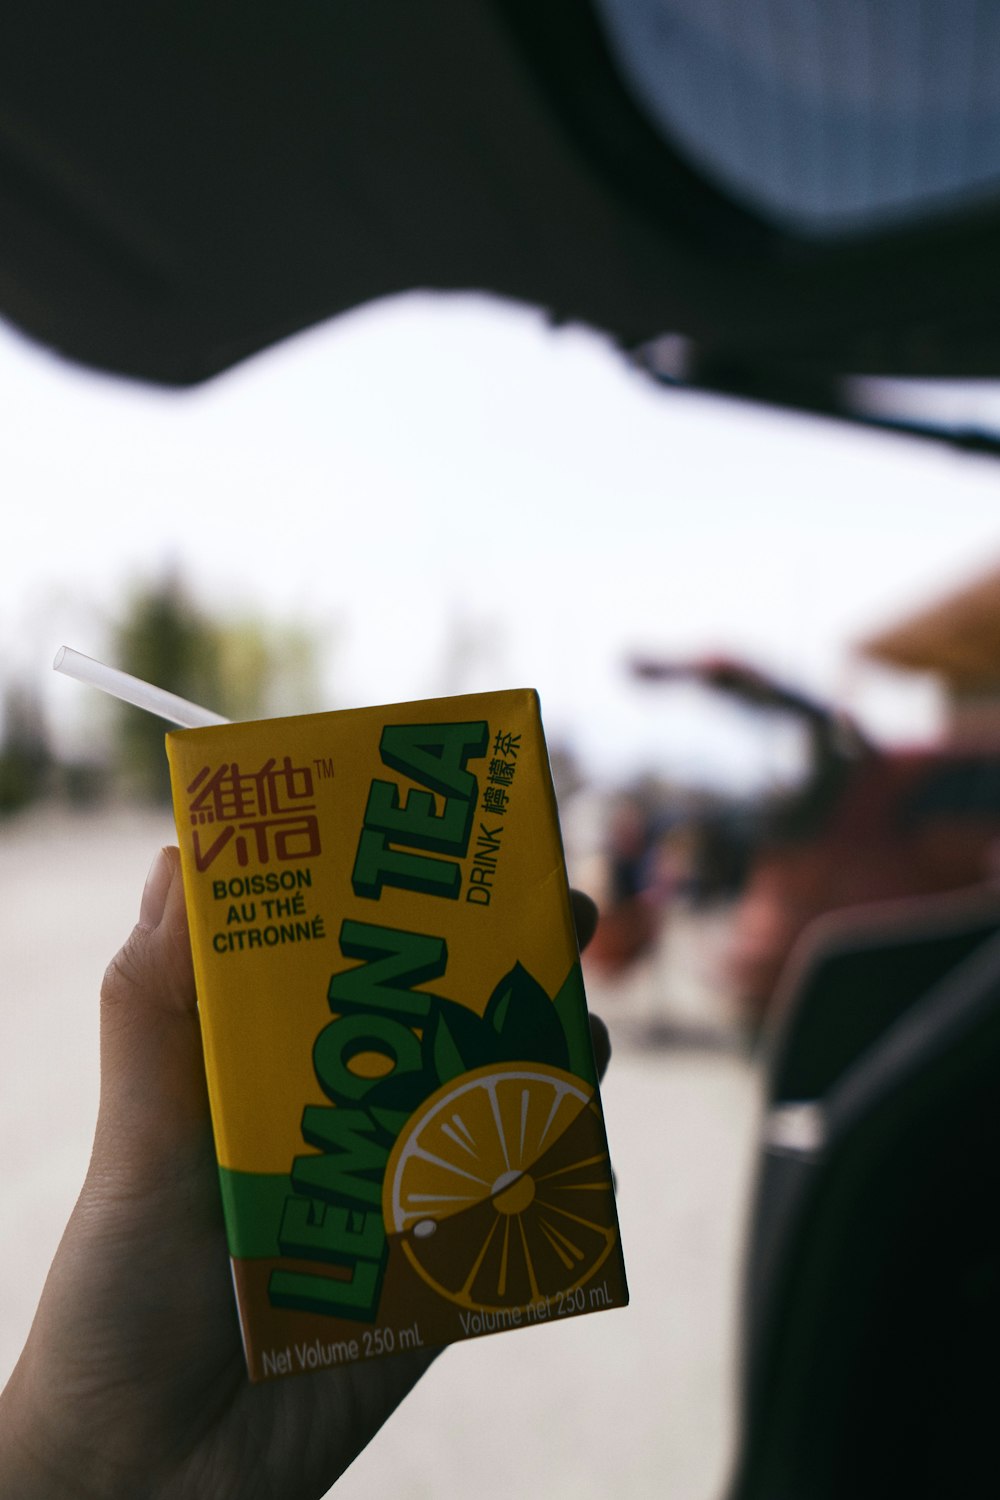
(153, 1098)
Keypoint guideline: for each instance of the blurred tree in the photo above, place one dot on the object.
(244, 668)
(25, 752)
(165, 639)
(267, 667)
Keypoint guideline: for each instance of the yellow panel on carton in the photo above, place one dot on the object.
(292, 828)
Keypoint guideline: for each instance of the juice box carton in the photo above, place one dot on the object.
(406, 1114)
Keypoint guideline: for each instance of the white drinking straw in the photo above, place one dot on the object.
(133, 690)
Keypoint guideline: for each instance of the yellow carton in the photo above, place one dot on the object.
(406, 1114)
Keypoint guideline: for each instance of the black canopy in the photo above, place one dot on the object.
(183, 183)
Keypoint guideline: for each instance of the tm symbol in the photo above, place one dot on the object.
(324, 767)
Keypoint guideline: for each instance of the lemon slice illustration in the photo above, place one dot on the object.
(499, 1187)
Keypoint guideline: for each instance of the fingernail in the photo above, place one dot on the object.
(154, 894)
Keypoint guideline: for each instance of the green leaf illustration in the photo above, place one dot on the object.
(525, 1023)
(390, 1120)
(570, 1005)
(400, 1091)
(456, 1040)
(448, 1060)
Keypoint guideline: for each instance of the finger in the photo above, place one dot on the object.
(585, 917)
(602, 1044)
(152, 1074)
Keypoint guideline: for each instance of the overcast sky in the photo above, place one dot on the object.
(433, 461)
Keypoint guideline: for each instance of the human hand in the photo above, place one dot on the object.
(132, 1384)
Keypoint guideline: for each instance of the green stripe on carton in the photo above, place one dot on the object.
(252, 1205)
